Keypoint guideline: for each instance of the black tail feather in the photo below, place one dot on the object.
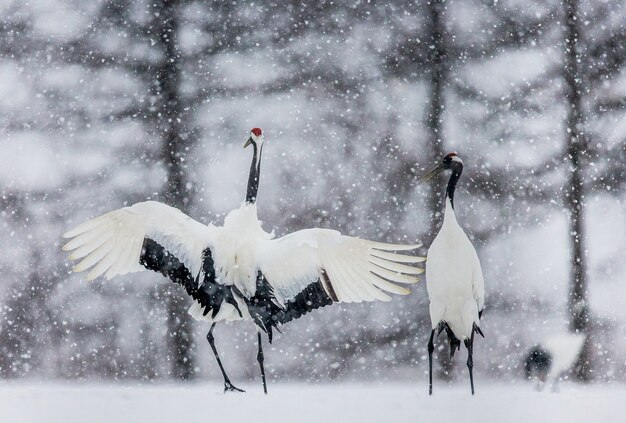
(441, 328)
(455, 343)
(477, 330)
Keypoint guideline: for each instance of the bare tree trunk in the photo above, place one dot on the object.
(176, 192)
(574, 189)
(438, 78)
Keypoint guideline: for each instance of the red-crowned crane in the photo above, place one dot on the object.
(237, 271)
(454, 278)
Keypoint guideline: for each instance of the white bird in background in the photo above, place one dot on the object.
(237, 271)
(454, 279)
(553, 357)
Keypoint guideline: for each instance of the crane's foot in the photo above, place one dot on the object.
(232, 388)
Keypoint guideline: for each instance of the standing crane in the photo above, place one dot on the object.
(454, 278)
(238, 271)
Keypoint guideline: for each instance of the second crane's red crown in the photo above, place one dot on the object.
(256, 131)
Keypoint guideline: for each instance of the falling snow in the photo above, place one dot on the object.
(107, 103)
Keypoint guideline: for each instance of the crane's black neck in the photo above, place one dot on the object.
(255, 171)
(457, 169)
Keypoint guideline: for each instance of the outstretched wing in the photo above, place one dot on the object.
(156, 237)
(346, 269)
(148, 235)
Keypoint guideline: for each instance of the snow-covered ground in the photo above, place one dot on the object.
(344, 403)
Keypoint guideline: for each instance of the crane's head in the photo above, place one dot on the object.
(450, 161)
(255, 137)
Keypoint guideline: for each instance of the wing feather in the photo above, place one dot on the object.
(125, 257)
(389, 275)
(112, 243)
(104, 265)
(80, 240)
(357, 270)
(395, 267)
(94, 257)
(89, 246)
(347, 291)
(88, 226)
(351, 292)
(392, 247)
(398, 258)
(356, 273)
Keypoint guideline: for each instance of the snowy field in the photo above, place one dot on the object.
(344, 403)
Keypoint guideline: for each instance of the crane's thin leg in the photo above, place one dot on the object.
(431, 348)
(259, 357)
(469, 344)
(227, 385)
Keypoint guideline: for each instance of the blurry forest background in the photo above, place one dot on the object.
(108, 102)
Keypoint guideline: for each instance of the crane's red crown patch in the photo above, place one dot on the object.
(256, 131)
(450, 155)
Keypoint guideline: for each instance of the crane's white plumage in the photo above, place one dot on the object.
(555, 355)
(565, 349)
(112, 242)
(454, 278)
(356, 269)
(354, 266)
(238, 271)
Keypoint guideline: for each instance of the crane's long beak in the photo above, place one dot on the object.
(430, 175)
(248, 142)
